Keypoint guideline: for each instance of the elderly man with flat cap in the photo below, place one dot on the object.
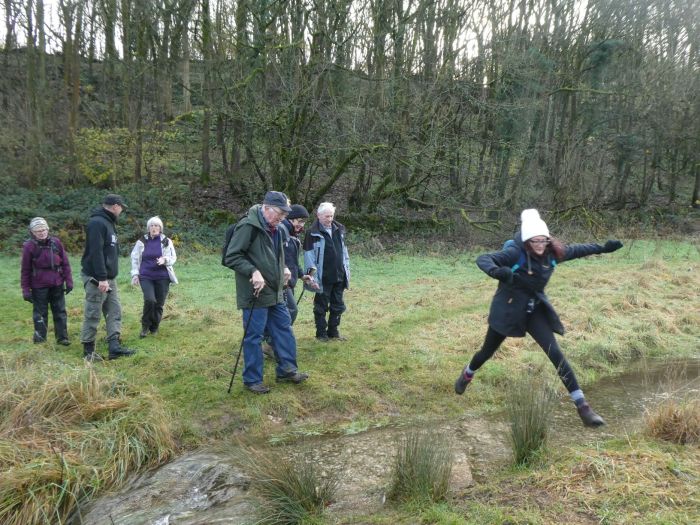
(256, 253)
(99, 270)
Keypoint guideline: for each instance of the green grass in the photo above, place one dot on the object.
(412, 323)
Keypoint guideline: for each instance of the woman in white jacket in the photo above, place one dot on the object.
(152, 262)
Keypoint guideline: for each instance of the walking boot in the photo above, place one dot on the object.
(333, 323)
(64, 341)
(116, 350)
(268, 351)
(144, 331)
(293, 377)
(588, 416)
(89, 353)
(463, 381)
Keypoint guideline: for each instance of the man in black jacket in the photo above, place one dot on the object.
(99, 270)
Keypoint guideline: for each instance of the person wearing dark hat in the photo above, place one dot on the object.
(256, 253)
(99, 270)
(45, 277)
(523, 269)
(293, 225)
(326, 256)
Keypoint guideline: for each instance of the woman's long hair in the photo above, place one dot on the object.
(555, 248)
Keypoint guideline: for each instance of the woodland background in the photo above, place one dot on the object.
(427, 110)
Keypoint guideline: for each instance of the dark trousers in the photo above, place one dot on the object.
(154, 295)
(330, 300)
(541, 332)
(42, 298)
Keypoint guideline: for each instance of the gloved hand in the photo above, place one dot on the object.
(503, 274)
(68, 289)
(611, 246)
(28, 298)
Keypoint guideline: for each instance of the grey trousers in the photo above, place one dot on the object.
(98, 304)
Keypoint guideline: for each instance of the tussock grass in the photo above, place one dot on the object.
(422, 468)
(65, 438)
(529, 405)
(289, 491)
(677, 421)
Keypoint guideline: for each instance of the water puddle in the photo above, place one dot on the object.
(205, 487)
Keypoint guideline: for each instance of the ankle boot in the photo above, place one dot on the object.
(89, 353)
(116, 350)
(463, 381)
(144, 331)
(588, 416)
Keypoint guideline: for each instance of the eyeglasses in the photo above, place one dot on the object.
(538, 241)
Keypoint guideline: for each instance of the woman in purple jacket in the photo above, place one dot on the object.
(152, 262)
(45, 278)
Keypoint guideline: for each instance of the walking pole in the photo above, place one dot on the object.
(245, 332)
(310, 273)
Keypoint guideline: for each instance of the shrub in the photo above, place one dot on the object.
(422, 469)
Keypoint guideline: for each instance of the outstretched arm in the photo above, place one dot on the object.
(575, 251)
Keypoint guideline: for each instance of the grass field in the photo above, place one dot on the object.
(412, 323)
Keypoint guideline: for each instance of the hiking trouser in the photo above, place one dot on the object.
(98, 304)
(41, 299)
(538, 327)
(154, 295)
(275, 319)
(330, 300)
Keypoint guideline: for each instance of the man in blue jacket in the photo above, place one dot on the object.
(99, 270)
(326, 254)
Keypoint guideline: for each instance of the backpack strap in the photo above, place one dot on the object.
(36, 252)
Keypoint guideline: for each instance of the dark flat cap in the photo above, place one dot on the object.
(112, 199)
(277, 199)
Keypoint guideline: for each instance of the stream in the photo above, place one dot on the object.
(206, 487)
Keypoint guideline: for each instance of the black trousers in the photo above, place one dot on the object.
(41, 299)
(154, 295)
(330, 300)
(539, 329)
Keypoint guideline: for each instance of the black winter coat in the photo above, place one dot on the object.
(508, 313)
(292, 244)
(101, 256)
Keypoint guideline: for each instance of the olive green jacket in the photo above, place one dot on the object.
(247, 252)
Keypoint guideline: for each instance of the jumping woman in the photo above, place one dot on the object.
(520, 305)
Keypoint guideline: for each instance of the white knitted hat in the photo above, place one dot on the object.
(532, 225)
(38, 223)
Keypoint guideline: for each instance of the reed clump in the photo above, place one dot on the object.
(529, 405)
(422, 468)
(289, 490)
(676, 421)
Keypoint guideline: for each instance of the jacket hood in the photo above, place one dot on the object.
(518, 239)
(101, 212)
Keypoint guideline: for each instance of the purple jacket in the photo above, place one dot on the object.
(44, 264)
